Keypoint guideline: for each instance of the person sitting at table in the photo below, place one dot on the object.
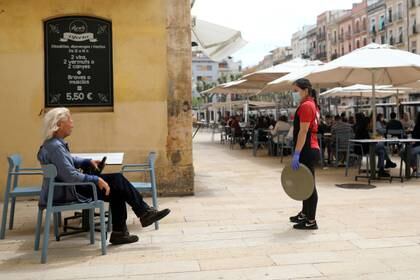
(394, 124)
(407, 124)
(361, 129)
(415, 150)
(113, 188)
(234, 124)
(380, 125)
(282, 126)
(340, 130)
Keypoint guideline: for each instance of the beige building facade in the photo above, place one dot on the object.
(396, 23)
(152, 85)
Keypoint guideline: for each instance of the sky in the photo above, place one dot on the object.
(265, 24)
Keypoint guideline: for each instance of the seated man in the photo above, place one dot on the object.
(394, 124)
(113, 188)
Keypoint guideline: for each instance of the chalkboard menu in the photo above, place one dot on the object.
(78, 62)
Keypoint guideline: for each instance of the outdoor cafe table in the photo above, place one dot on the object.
(372, 156)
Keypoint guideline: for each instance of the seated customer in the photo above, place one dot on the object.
(415, 151)
(361, 129)
(407, 124)
(394, 124)
(281, 126)
(380, 125)
(113, 188)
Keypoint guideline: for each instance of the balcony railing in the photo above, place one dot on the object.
(347, 36)
(321, 36)
(341, 38)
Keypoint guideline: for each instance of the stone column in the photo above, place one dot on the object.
(179, 179)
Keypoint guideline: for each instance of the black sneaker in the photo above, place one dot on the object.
(152, 215)
(122, 237)
(383, 173)
(299, 218)
(390, 164)
(306, 226)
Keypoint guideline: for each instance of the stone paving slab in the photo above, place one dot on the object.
(236, 227)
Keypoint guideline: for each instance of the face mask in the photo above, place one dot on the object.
(296, 97)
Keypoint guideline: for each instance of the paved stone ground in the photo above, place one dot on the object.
(236, 227)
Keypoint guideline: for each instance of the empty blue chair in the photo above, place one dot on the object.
(147, 186)
(50, 172)
(14, 190)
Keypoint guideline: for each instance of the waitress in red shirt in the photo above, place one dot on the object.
(307, 152)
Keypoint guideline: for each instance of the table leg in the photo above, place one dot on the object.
(408, 161)
(372, 155)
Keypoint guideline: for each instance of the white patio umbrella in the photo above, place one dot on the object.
(216, 41)
(372, 64)
(284, 83)
(224, 89)
(259, 79)
(364, 91)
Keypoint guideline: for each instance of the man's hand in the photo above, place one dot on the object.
(95, 163)
(104, 186)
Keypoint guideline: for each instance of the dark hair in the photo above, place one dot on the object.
(337, 118)
(379, 116)
(306, 84)
(393, 116)
(283, 118)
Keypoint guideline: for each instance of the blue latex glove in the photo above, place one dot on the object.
(295, 161)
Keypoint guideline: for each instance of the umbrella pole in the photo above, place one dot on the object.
(373, 101)
(397, 102)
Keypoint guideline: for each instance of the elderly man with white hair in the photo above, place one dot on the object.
(113, 188)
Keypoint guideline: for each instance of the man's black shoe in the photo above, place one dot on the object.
(152, 215)
(390, 164)
(298, 218)
(383, 173)
(122, 237)
(306, 226)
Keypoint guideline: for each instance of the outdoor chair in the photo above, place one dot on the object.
(14, 189)
(417, 173)
(223, 134)
(50, 172)
(259, 140)
(147, 168)
(341, 145)
(351, 154)
(399, 133)
(282, 144)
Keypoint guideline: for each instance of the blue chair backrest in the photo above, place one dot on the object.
(50, 171)
(152, 159)
(15, 161)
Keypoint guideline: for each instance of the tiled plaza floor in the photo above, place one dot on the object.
(236, 227)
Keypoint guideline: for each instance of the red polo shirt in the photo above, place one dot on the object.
(308, 113)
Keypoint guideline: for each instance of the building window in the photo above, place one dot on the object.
(390, 15)
(364, 41)
(357, 44)
(364, 24)
(399, 11)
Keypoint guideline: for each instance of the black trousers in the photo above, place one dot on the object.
(310, 158)
(122, 192)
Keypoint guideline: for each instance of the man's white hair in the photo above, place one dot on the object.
(51, 120)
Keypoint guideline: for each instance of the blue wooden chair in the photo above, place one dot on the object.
(14, 190)
(50, 172)
(150, 186)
